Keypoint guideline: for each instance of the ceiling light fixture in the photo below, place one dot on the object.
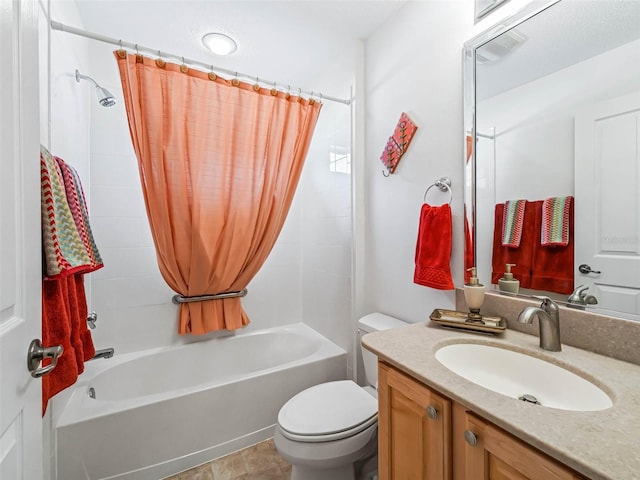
(219, 43)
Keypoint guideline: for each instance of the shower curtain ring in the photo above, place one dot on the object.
(256, 87)
(159, 61)
(137, 51)
(235, 82)
(183, 67)
(212, 75)
(121, 51)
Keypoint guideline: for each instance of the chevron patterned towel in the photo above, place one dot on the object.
(555, 222)
(512, 222)
(68, 245)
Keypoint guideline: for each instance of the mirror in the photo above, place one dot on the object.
(552, 110)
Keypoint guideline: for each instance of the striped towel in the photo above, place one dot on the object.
(512, 222)
(67, 243)
(555, 222)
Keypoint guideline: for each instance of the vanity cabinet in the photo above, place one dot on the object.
(491, 454)
(425, 436)
(414, 429)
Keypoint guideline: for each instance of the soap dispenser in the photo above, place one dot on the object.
(474, 295)
(508, 283)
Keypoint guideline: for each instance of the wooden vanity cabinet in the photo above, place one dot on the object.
(424, 435)
(492, 454)
(414, 429)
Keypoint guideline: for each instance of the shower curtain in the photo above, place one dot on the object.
(219, 163)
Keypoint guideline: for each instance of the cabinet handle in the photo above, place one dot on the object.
(471, 438)
(432, 412)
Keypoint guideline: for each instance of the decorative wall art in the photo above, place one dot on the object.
(398, 144)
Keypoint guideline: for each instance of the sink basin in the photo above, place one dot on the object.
(522, 376)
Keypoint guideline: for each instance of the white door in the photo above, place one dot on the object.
(20, 258)
(607, 210)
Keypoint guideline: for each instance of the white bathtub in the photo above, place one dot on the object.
(161, 411)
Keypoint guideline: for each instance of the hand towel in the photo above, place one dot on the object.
(433, 248)
(521, 256)
(78, 207)
(56, 330)
(553, 267)
(513, 223)
(64, 251)
(555, 229)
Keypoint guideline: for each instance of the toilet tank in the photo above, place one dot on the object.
(374, 322)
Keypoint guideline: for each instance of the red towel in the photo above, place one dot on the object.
(552, 267)
(64, 322)
(521, 256)
(433, 248)
(469, 252)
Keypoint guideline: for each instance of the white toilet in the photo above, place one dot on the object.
(330, 431)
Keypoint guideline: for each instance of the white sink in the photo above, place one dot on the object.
(516, 374)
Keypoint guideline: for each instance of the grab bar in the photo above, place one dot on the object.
(178, 299)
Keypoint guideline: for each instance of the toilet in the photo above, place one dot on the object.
(330, 431)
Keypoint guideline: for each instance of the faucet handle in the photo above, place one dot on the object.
(544, 299)
(547, 303)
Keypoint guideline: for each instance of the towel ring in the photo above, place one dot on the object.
(444, 185)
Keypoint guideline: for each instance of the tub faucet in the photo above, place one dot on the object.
(581, 297)
(548, 315)
(104, 353)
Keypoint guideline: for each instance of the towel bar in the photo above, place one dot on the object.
(178, 299)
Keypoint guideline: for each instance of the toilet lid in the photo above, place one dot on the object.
(328, 411)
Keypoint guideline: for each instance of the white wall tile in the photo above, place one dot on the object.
(117, 201)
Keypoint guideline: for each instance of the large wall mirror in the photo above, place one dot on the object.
(552, 118)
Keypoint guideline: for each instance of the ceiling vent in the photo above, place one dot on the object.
(500, 46)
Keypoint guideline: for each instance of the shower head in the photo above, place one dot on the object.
(105, 97)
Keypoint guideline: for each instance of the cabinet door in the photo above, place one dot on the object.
(414, 429)
(496, 455)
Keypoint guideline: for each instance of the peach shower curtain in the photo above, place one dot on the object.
(219, 164)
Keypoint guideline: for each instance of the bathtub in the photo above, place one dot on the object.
(161, 411)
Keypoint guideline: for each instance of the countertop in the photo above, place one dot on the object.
(600, 445)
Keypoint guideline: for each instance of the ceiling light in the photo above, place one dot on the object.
(219, 43)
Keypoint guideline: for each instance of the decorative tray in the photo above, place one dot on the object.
(461, 320)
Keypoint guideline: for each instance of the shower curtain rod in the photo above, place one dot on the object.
(206, 67)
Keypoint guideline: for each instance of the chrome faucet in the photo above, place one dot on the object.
(548, 315)
(104, 353)
(92, 318)
(581, 297)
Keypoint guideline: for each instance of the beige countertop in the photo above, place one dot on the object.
(601, 445)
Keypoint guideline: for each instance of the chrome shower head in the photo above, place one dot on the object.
(105, 97)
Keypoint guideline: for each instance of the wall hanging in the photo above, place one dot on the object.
(398, 144)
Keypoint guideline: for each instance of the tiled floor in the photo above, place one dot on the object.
(258, 462)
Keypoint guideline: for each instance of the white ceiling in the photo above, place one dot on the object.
(277, 39)
(562, 35)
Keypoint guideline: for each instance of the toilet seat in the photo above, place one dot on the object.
(326, 412)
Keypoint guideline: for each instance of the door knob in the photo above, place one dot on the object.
(37, 353)
(584, 268)
(432, 412)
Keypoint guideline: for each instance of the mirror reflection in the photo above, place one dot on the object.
(554, 179)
